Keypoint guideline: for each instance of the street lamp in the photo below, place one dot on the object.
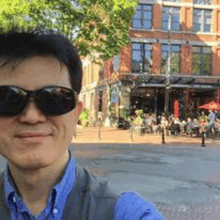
(167, 86)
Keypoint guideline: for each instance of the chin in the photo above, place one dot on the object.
(31, 164)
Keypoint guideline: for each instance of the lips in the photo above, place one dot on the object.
(31, 135)
(32, 138)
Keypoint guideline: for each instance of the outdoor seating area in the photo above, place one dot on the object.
(147, 123)
(191, 128)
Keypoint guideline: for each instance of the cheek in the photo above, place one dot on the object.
(66, 126)
(6, 128)
(6, 135)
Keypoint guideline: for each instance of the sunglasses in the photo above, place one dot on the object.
(51, 100)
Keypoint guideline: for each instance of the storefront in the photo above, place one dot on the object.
(186, 93)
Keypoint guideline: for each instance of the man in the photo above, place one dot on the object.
(40, 79)
(211, 124)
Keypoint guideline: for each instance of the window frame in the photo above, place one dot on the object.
(171, 0)
(100, 101)
(172, 52)
(203, 2)
(92, 73)
(172, 19)
(203, 23)
(142, 58)
(201, 55)
(141, 19)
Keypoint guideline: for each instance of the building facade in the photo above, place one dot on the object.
(93, 96)
(175, 47)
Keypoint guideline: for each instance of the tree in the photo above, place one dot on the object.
(175, 63)
(94, 26)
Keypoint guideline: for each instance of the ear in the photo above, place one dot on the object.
(79, 107)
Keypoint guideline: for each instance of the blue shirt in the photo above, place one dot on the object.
(129, 205)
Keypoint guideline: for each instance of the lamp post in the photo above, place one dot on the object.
(167, 87)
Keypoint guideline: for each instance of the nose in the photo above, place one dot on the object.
(31, 114)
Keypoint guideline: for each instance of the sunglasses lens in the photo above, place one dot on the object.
(12, 101)
(56, 100)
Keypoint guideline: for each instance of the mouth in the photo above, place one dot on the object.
(33, 137)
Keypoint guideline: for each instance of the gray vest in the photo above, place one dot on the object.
(91, 199)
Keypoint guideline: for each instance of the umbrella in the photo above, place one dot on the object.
(210, 105)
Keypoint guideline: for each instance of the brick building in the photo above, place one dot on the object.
(138, 77)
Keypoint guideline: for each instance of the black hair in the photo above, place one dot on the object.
(17, 45)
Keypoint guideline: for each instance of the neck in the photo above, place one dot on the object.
(34, 186)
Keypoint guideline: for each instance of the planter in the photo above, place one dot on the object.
(137, 130)
(85, 123)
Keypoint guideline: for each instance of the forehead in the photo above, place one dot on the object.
(36, 72)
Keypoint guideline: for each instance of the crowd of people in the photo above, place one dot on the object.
(207, 123)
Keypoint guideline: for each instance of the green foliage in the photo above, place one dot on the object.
(125, 113)
(175, 63)
(95, 26)
(138, 121)
(84, 116)
(203, 117)
(139, 112)
(196, 64)
(201, 64)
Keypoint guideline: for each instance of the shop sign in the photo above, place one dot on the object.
(114, 98)
(114, 95)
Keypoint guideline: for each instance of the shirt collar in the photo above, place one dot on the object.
(64, 186)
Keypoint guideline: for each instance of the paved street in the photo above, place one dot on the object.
(177, 179)
(180, 177)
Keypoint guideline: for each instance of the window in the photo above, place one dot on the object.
(143, 17)
(100, 100)
(88, 74)
(92, 102)
(175, 18)
(202, 61)
(116, 62)
(84, 100)
(170, 0)
(174, 61)
(203, 2)
(141, 57)
(92, 72)
(84, 76)
(101, 73)
(202, 20)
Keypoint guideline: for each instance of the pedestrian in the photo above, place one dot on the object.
(211, 124)
(40, 80)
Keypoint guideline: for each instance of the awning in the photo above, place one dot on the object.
(175, 81)
(211, 105)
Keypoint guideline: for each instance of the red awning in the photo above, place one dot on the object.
(210, 105)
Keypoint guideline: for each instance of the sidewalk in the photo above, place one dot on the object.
(114, 135)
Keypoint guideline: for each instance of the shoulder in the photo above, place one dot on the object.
(132, 206)
(97, 196)
(97, 186)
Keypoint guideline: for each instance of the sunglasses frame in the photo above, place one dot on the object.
(33, 94)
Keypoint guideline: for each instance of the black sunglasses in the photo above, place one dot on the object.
(51, 100)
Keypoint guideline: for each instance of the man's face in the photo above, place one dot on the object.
(35, 73)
